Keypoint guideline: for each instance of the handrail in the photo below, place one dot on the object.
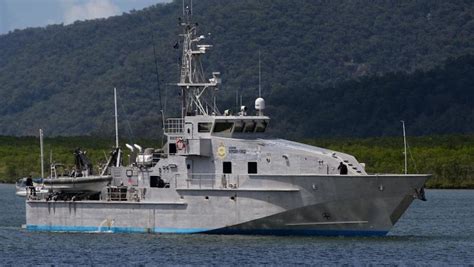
(207, 180)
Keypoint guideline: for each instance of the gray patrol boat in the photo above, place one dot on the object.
(218, 173)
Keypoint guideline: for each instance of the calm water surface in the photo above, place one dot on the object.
(437, 232)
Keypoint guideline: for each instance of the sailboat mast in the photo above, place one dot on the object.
(41, 152)
(405, 146)
(116, 119)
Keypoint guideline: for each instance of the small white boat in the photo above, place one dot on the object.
(21, 187)
(36, 184)
(79, 180)
(77, 184)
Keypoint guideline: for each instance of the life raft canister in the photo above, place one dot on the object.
(180, 143)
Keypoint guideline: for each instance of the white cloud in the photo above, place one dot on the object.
(89, 9)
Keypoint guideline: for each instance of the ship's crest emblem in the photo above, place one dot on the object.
(221, 151)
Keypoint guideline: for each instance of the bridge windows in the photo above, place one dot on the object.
(204, 127)
(234, 126)
(223, 127)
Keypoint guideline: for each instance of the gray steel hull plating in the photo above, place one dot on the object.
(312, 205)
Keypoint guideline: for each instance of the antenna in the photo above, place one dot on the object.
(158, 80)
(237, 99)
(405, 146)
(157, 74)
(183, 8)
(214, 100)
(163, 110)
(163, 127)
(187, 9)
(116, 119)
(138, 147)
(259, 102)
(50, 163)
(42, 155)
(259, 76)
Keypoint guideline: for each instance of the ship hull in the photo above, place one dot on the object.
(312, 205)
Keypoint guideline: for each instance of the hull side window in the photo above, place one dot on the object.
(252, 167)
(227, 167)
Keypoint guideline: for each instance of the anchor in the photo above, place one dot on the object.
(420, 194)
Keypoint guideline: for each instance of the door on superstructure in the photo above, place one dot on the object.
(189, 167)
(188, 130)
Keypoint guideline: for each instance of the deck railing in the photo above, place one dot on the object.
(124, 193)
(206, 181)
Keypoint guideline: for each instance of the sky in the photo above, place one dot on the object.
(20, 14)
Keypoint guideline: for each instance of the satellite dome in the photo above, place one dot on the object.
(259, 104)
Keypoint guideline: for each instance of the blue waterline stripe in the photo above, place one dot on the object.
(281, 232)
(298, 232)
(113, 229)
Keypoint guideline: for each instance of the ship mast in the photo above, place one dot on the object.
(195, 88)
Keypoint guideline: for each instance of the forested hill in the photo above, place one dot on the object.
(327, 67)
(437, 101)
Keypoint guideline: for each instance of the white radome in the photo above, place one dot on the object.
(259, 104)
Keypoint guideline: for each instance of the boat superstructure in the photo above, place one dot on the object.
(219, 173)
